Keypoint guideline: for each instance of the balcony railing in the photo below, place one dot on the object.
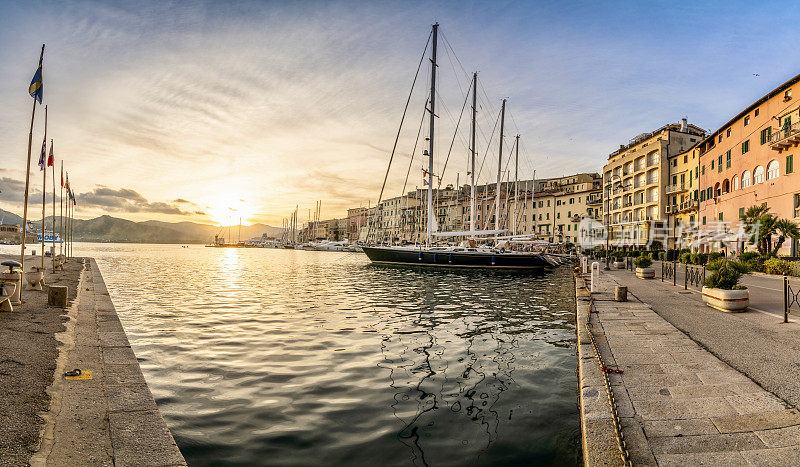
(651, 161)
(628, 187)
(677, 188)
(785, 137)
(652, 199)
(639, 167)
(652, 180)
(688, 205)
(596, 200)
(627, 204)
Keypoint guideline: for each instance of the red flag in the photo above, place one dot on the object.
(50, 158)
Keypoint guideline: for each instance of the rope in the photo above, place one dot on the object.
(399, 130)
(605, 370)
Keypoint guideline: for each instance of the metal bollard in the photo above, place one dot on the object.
(620, 293)
(584, 265)
(595, 282)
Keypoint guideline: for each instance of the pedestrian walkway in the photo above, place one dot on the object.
(678, 403)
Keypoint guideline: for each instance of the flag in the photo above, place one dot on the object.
(42, 155)
(62, 174)
(35, 89)
(66, 184)
(50, 159)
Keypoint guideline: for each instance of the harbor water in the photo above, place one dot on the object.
(284, 357)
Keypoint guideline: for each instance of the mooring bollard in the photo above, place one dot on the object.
(584, 265)
(595, 282)
(57, 296)
(620, 293)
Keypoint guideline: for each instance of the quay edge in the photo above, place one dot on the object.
(111, 418)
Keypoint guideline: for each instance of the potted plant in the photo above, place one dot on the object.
(619, 260)
(643, 267)
(721, 290)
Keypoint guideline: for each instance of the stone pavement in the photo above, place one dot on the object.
(110, 418)
(679, 404)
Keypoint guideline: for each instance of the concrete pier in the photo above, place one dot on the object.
(105, 416)
(677, 402)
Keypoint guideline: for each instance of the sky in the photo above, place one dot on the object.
(215, 111)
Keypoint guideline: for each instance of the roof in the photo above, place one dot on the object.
(755, 104)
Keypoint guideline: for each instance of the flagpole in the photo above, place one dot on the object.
(61, 213)
(27, 185)
(44, 180)
(53, 253)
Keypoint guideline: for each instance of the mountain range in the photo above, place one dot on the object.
(115, 230)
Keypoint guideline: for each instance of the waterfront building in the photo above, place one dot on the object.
(556, 206)
(356, 219)
(750, 160)
(682, 192)
(634, 179)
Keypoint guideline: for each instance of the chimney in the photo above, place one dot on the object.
(684, 125)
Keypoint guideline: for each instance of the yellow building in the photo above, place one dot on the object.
(634, 182)
(682, 192)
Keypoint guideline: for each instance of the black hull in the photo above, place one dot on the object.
(455, 259)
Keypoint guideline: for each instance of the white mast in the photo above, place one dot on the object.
(499, 169)
(516, 184)
(432, 110)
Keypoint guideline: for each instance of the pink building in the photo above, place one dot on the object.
(750, 160)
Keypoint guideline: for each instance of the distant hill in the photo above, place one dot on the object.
(116, 230)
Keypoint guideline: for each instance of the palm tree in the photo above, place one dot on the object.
(760, 224)
(786, 228)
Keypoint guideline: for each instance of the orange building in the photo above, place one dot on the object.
(750, 160)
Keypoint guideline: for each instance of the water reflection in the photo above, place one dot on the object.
(310, 358)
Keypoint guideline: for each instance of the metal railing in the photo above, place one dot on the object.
(694, 276)
(675, 188)
(668, 269)
(791, 298)
(784, 132)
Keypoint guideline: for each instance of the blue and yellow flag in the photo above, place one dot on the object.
(35, 89)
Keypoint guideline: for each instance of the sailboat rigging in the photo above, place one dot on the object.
(469, 254)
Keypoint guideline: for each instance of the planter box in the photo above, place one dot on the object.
(646, 273)
(619, 264)
(726, 300)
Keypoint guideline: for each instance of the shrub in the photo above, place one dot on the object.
(643, 261)
(794, 268)
(777, 266)
(618, 255)
(748, 255)
(699, 258)
(569, 246)
(686, 258)
(672, 255)
(656, 245)
(714, 256)
(633, 254)
(725, 275)
(662, 255)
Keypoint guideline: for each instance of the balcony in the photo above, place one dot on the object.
(639, 167)
(678, 188)
(627, 187)
(785, 138)
(652, 180)
(595, 200)
(652, 161)
(690, 205)
(627, 204)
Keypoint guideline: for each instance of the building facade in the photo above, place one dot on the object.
(750, 161)
(635, 179)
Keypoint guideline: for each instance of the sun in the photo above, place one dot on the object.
(229, 209)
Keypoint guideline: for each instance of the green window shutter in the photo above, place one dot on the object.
(703, 195)
(704, 170)
(789, 164)
(720, 216)
(728, 159)
(704, 220)
(741, 213)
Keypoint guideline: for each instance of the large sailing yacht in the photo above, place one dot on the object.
(471, 255)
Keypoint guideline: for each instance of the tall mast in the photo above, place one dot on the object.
(516, 183)
(430, 135)
(44, 179)
(499, 169)
(472, 156)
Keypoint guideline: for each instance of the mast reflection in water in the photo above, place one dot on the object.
(284, 357)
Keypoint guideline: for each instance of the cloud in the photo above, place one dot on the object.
(181, 200)
(125, 200)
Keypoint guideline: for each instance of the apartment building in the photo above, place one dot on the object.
(682, 194)
(750, 160)
(635, 178)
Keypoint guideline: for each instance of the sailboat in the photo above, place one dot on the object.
(470, 255)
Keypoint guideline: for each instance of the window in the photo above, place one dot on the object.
(766, 134)
(745, 146)
(704, 220)
(746, 179)
(709, 193)
(720, 217)
(741, 213)
(787, 121)
(712, 164)
(787, 95)
(728, 159)
(685, 159)
(720, 137)
(719, 163)
(735, 182)
(704, 170)
(703, 195)
(758, 175)
(746, 120)
(773, 171)
(728, 133)
(755, 114)
(789, 164)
